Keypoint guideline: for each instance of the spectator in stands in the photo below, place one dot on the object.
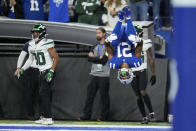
(139, 82)
(102, 11)
(0, 9)
(98, 78)
(139, 10)
(33, 9)
(46, 10)
(72, 13)
(12, 9)
(166, 14)
(58, 11)
(31, 78)
(113, 6)
(88, 11)
(156, 12)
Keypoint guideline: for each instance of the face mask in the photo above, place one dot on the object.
(35, 39)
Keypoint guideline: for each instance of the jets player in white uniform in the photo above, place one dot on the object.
(139, 82)
(43, 52)
(31, 84)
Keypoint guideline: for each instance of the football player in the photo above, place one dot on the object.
(139, 82)
(31, 84)
(43, 52)
(124, 55)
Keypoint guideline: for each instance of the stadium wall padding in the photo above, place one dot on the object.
(69, 92)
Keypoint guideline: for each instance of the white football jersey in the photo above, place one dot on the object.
(146, 45)
(34, 65)
(40, 53)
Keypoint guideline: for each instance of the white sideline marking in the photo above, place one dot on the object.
(74, 125)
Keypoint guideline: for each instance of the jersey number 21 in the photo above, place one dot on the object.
(124, 50)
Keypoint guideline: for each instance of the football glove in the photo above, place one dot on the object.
(20, 72)
(111, 38)
(49, 75)
(121, 15)
(153, 80)
(127, 11)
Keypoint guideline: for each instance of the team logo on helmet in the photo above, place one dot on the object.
(41, 29)
(138, 29)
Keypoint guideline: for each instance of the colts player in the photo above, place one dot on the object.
(124, 54)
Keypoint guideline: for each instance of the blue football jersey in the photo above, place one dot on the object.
(59, 11)
(124, 54)
(33, 9)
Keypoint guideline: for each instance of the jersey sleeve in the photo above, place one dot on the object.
(147, 44)
(49, 44)
(25, 48)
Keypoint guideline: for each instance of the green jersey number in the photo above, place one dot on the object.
(40, 58)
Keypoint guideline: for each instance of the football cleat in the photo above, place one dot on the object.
(151, 116)
(145, 120)
(41, 119)
(47, 121)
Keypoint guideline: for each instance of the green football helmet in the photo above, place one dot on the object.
(41, 29)
(138, 29)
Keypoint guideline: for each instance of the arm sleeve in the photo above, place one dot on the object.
(97, 60)
(21, 59)
(28, 62)
(25, 48)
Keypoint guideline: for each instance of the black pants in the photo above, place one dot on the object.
(139, 82)
(45, 95)
(95, 83)
(31, 78)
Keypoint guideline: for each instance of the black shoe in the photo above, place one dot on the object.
(151, 116)
(145, 120)
(83, 118)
